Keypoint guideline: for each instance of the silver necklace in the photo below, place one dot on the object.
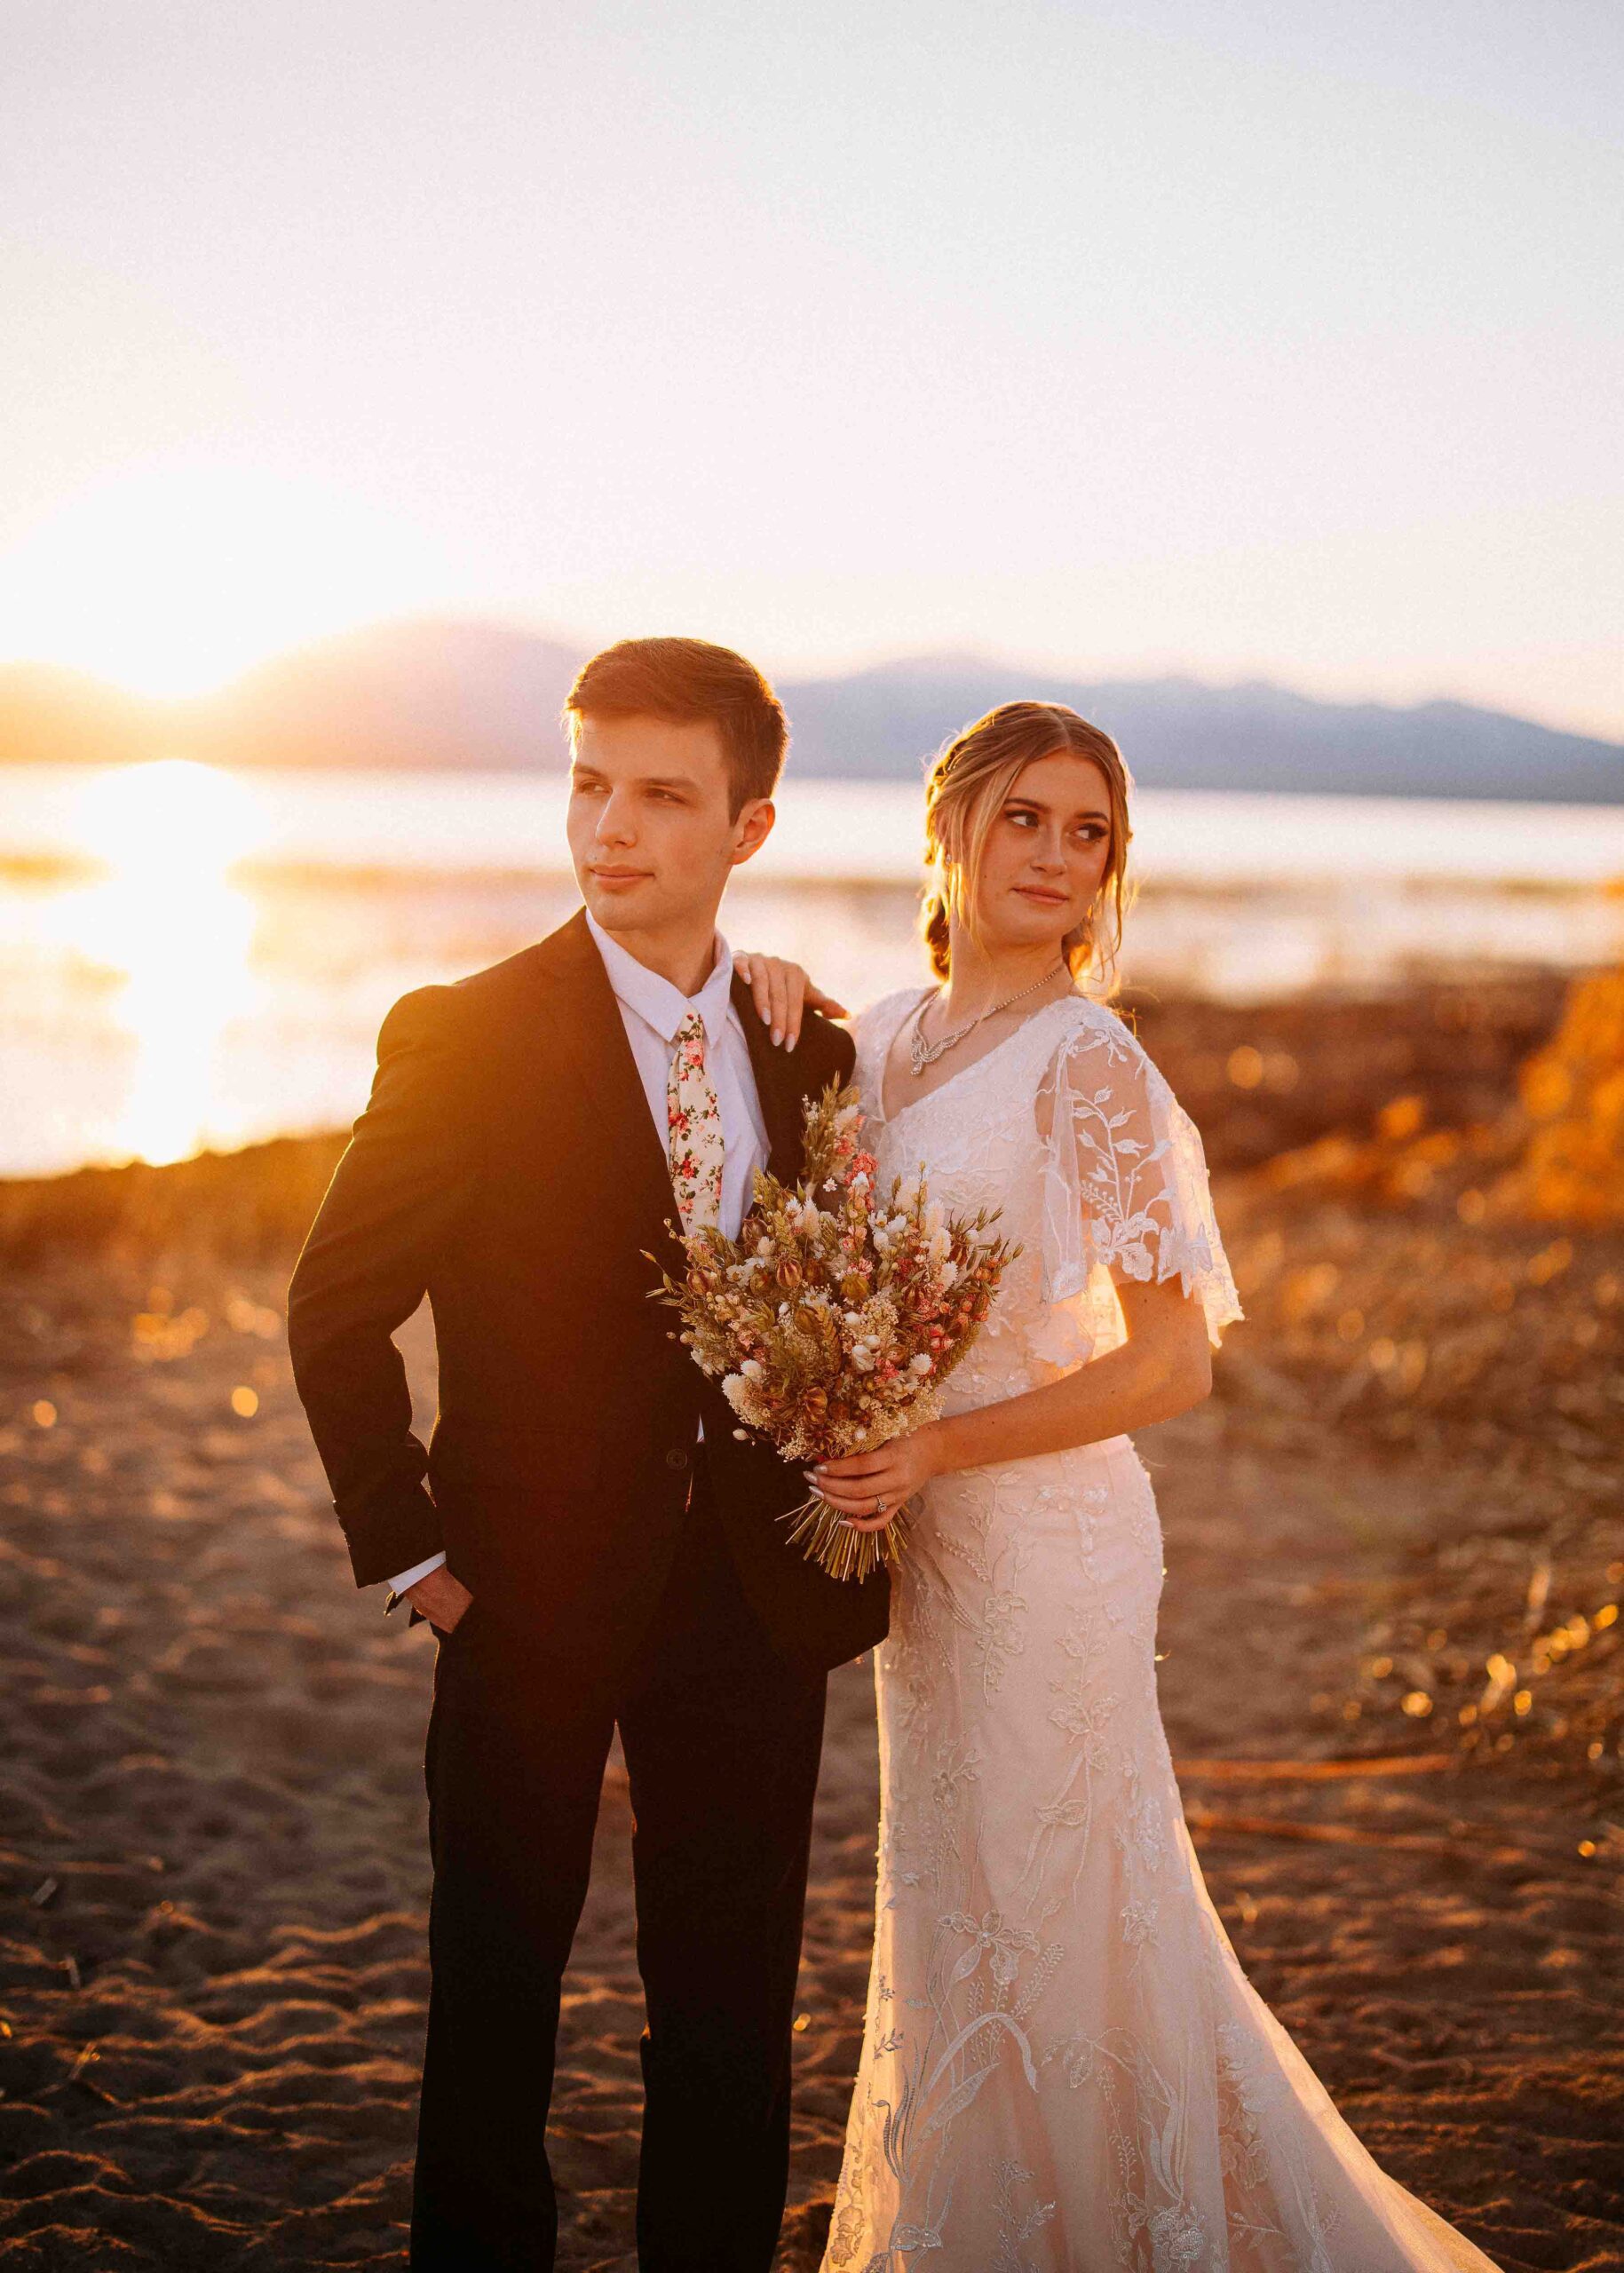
(923, 1053)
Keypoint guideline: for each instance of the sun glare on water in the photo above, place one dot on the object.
(174, 932)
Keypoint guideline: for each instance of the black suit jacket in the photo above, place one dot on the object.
(507, 1164)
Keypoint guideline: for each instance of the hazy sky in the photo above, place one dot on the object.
(1241, 339)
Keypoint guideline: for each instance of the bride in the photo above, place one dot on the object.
(1064, 2068)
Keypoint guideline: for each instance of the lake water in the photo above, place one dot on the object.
(191, 957)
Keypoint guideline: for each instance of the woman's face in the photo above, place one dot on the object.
(1046, 853)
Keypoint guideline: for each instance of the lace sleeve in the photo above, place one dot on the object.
(1125, 1178)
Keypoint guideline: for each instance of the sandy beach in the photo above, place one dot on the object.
(1392, 1677)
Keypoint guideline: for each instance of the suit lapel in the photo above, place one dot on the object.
(780, 1093)
(587, 1053)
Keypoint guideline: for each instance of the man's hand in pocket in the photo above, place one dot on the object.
(441, 1599)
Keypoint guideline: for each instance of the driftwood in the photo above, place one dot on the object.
(1343, 1834)
(1312, 1771)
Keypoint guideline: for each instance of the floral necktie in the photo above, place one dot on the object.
(693, 1126)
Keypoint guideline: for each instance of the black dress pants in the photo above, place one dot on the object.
(722, 1737)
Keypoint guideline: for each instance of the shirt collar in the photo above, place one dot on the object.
(655, 1001)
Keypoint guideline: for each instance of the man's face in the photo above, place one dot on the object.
(650, 833)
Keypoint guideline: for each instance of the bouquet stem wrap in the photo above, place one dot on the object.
(834, 1318)
(824, 1536)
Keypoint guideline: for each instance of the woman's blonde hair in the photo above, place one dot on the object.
(965, 791)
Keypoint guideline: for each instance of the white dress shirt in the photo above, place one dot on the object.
(652, 1010)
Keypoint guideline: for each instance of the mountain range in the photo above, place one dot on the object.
(447, 694)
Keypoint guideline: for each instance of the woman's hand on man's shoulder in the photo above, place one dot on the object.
(783, 993)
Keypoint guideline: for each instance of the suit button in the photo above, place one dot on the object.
(676, 1458)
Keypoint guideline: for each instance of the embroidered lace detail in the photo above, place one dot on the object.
(1124, 1177)
(1062, 2064)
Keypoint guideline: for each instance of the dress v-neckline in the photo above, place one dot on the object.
(912, 1104)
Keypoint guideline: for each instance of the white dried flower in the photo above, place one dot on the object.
(921, 1364)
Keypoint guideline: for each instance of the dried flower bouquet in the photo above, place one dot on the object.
(835, 1317)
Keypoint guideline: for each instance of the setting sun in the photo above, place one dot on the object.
(172, 579)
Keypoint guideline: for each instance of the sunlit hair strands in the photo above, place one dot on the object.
(687, 682)
(964, 792)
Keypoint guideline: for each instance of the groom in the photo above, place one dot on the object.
(590, 1542)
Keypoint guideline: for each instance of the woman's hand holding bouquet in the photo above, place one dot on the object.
(835, 1317)
(866, 1488)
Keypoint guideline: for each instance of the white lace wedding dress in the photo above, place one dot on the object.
(1064, 2069)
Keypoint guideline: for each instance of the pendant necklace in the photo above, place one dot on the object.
(923, 1053)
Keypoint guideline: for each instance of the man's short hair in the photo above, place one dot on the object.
(685, 681)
